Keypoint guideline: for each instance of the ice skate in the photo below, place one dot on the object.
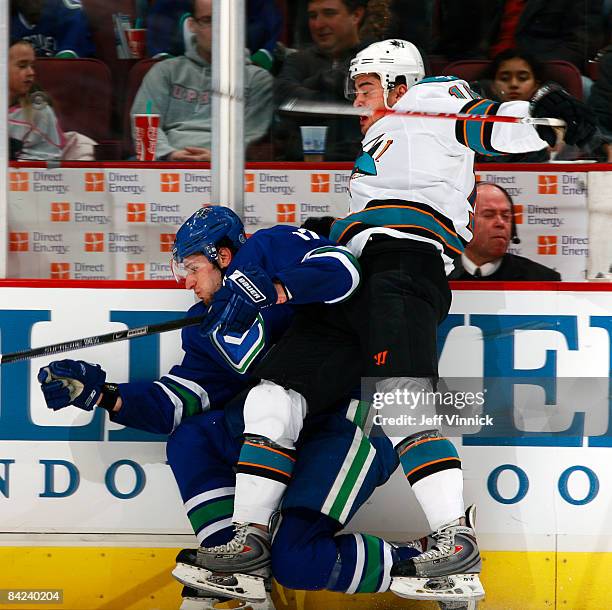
(198, 600)
(239, 569)
(448, 572)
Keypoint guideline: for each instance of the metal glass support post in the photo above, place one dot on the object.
(228, 59)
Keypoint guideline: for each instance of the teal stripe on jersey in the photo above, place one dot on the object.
(437, 79)
(398, 217)
(426, 452)
(266, 457)
(475, 130)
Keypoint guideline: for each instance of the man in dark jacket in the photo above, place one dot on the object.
(486, 257)
(318, 73)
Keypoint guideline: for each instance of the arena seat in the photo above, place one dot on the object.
(562, 72)
(81, 94)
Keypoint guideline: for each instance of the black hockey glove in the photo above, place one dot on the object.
(552, 101)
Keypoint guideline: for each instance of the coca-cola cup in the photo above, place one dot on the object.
(137, 41)
(145, 135)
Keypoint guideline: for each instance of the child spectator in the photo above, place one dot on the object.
(34, 131)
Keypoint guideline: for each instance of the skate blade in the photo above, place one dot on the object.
(455, 588)
(240, 587)
(190, 576)
(212, 603)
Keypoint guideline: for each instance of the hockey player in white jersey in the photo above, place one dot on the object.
(410, 213)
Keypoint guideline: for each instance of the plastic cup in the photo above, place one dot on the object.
(145, 135)
(313, 142)
(137, 41)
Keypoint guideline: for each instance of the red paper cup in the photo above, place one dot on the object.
(137, 41)
(145, 135)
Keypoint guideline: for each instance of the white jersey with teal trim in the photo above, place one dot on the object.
(428, 162)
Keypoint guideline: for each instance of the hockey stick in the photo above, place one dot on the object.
(331, 108)
(121, 335)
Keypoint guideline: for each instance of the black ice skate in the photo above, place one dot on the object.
(448, 572)
(239, 569)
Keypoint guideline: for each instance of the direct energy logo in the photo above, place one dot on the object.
(60, 271)
(136, 212)
(19, 181)
(134, 271)
(249, 183)
(285, 212)
(94, 242)
(518, 213)
(547, 244)
(170, 183)
(94, 182)
(19, 241)
(548, 185)
(166, 241)
(319, 183)
(60, 211)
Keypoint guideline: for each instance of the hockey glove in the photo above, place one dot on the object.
(236, 304)
(553, 101)
(71, 382)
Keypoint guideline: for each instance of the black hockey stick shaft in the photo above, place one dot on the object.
(120, 335)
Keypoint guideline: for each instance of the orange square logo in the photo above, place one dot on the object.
(319, 183)
(19, 241)
(94, 182)
(547, 244)
(134, 271)
(19, 181)
(249, 183)
(60, 211)
(136, 212)
(548, 185)
(60, 271)
(170, 183)
(166, 241)
(285, 212)
(94, 242)
(518, 213)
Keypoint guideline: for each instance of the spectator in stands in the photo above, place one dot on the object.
(339, 29)
(34, 132)
(56, 28)
(166, 20)
(601, 100)
(511, 76)
(557, 29)
(486, 257)
(179, 89)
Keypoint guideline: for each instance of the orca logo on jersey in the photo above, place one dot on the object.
(245, 283)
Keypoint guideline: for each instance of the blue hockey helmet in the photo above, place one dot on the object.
(204, 229)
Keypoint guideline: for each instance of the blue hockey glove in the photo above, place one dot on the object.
(71, 382)
(236, 304)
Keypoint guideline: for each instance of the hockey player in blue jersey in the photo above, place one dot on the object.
(340, 466)
(56, 28)
(410, 212)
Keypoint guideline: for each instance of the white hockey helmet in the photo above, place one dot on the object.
(388, 59)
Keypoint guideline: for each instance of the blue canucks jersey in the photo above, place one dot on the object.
(216, 368)
(62, 29)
